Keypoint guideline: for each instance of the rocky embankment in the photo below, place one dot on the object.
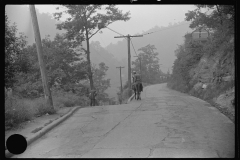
(213, 81)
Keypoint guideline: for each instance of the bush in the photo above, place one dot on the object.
(68, 99)
(16, 112)
(42, 108)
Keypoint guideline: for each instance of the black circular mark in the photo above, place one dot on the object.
(16, 144)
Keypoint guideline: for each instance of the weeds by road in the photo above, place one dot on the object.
(19, 110)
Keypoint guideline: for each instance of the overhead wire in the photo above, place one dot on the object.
(143, 35)
(133, 47)
(163, 29)
(115, 31)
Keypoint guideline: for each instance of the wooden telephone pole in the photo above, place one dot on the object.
(120, 77)
(46, 89)
(120, 81)
(129, 61)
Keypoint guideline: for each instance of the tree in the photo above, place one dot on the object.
(100, 82)
(216, 16)
(65, 68)
(83, 24)
(64, 64)
(13, 47)
(219, 21)
(149, 64)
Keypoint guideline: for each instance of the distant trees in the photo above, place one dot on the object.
(149, 64)
(84, 23)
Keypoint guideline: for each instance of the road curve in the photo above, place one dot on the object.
(164, 124)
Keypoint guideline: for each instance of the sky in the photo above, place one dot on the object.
(143, 18)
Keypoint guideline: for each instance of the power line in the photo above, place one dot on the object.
(129, 61)
(115, 31)
(133, 47)
(164, 29)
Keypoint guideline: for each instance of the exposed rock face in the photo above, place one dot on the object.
(225, 100)
(198, 85)
(216, 71)
(205, 70)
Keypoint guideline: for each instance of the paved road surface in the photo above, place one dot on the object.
(165, 123)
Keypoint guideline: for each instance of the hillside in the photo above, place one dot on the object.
(206, 69)
(114, 55)
(98, 55)
(166, 40)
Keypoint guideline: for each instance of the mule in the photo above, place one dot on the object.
(134, 90)
(138, 91)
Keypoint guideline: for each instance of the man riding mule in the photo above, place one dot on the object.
(137, 85)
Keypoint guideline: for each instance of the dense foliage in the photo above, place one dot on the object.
(65, 65)
(13, 47)
(101, 83)
(84, 22)
(219, 21)
(67, 75)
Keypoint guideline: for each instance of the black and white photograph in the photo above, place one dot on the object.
(120, 80)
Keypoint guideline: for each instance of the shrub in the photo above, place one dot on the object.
(68, 99)
(42, 108)
(16, 112)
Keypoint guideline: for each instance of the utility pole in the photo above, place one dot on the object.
(120, 76)
(46, 89)
(129, 61)
(140, 64)
(120, 81)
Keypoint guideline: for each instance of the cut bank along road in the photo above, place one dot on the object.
(165, 123)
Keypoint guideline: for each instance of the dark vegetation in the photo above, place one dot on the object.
(208, 62)
(69, 70)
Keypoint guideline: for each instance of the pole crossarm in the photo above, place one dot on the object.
(128, 36)
(120, 36)
(137, 36)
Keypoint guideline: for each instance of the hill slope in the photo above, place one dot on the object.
(166, 40)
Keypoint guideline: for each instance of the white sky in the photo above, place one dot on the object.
(143, 18)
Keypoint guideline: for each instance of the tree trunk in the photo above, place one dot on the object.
(89, 62)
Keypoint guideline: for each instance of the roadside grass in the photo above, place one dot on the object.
(19, 110)
(16, 112)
